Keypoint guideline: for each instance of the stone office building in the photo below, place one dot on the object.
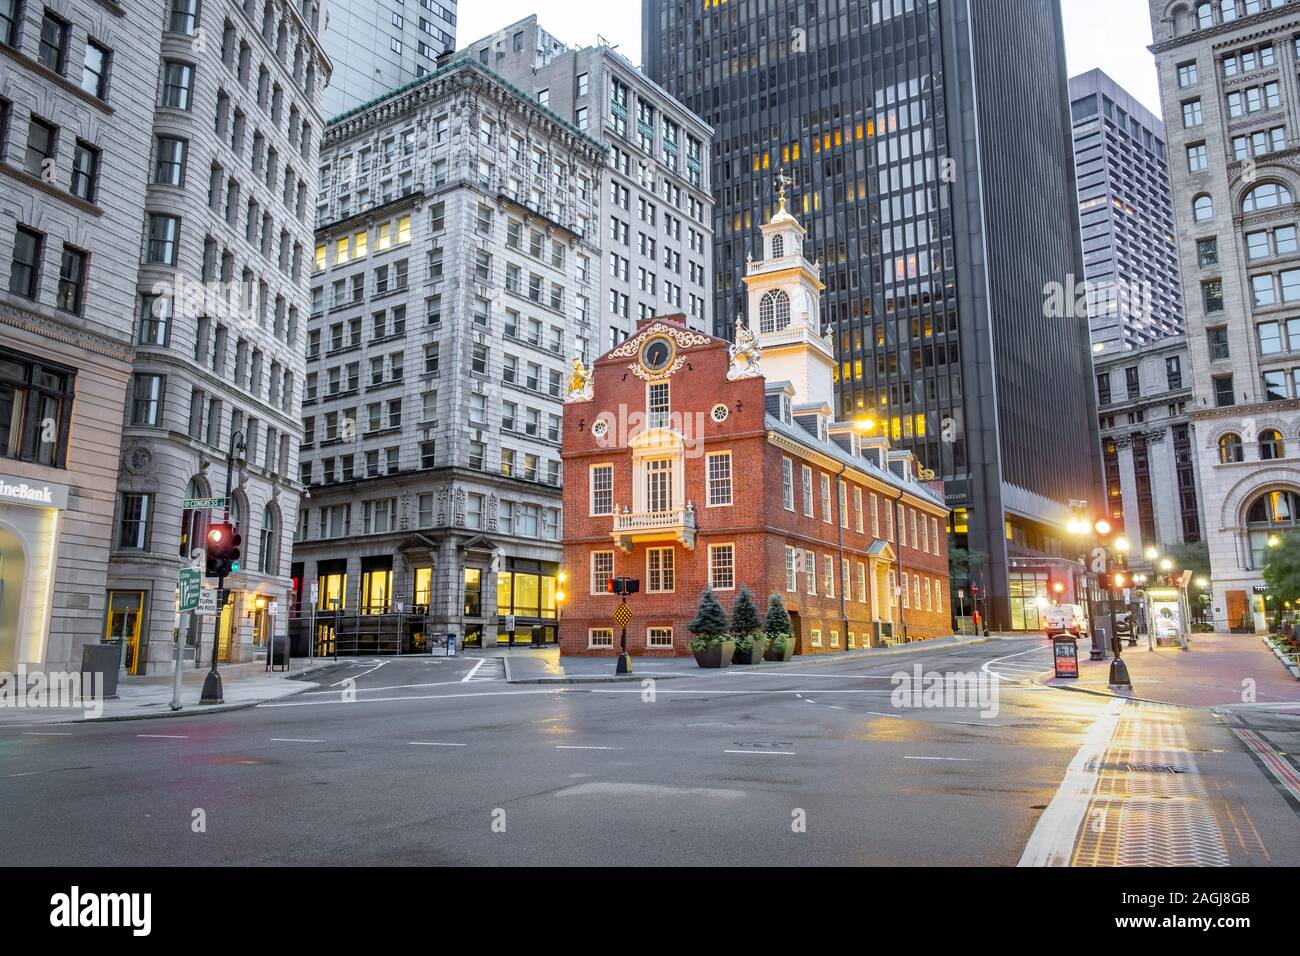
(456, 266)
(1227, 73)
(74, 109)
(219, 316)
(658, 232)
(1149, 453)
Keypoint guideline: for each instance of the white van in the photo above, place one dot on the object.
(1064, 619)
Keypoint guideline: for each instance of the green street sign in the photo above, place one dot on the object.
(189, 583)
(203, 504)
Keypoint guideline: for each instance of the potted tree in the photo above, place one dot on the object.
(711, 644)
(747, 630)
(777, 629)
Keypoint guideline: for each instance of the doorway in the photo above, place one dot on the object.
(225, 629)
(125, 615)
(13, 575)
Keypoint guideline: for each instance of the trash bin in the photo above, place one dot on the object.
(280, 651)
(99, 666)
(539, 635)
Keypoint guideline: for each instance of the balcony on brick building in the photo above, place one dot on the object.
(672, 524)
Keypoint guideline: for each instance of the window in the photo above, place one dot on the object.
(32, 396)
(169, 162)
(164, 231)
(659, 637)
(807, 491)
(133, 529)
(146, 399)
(184, 16)
(601, 637)
(719, 477)
(1197, 158)
(1187, 74)
(52, 50)
(791, 569)
(659, 569)
(657, 404)
(25, 267)
(85, 171)
(1192, 113)
(1270, 444)
(602, 569)
(1217, 342)
(1202, 208)
(774, 311)
(1223, 395)
(94, 68)
(72, 280)
(178, 79)
(722, 569)
(787, 484)
(826, 497)
(602, 489)
(1266, 196)
(41, 147)
(1207, 252)
(10, 16)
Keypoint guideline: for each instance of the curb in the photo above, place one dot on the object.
(1074, 688)
(196, 710)
(818, 659)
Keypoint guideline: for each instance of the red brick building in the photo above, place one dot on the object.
(690, 462)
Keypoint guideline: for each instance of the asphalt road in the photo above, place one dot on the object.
(432, 764)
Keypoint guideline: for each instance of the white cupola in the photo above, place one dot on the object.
(784, 311)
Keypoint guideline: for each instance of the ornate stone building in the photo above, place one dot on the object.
(75, 107)
(1227, 76)
(456, 266)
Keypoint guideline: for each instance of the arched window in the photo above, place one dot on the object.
(1202, 208)
(1230, 449)
(268, 542)
(1204, 16)
(773, 311)
(1270, 516)
(194, 523)
(778, 247)
(1270, 444)
(1266, 196)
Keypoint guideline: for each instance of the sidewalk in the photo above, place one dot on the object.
(1210, 672)
(243, 685)
(546, 666)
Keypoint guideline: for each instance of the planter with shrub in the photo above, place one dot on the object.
(712, 644)
(747, 630)
(778, 631)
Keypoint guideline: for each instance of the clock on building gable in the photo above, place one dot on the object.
(659, 350)
(657, 355)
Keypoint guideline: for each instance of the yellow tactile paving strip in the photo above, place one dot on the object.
(1151, 807)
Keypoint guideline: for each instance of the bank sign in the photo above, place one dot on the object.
(32, 494)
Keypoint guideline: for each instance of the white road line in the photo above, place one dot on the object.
(876, 713)
(474, 669)
(576, 747)
(433, 743)
(1052, 842)
(366, 690)
(49, 733)
(778, 753)
(964, 759)
(389, 700)
(296, 740)
(355, 677)
(165, 736)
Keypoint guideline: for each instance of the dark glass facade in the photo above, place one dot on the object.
(929, 143)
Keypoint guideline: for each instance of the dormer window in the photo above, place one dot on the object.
(774, 310)
(778, 247)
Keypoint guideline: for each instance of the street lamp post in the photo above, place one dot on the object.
(212, 690)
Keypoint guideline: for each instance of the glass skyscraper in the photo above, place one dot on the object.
(930, 146)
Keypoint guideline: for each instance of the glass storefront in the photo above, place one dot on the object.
(1028, 593)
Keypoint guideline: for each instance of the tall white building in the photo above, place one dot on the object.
(378, 45)
(657, 230)
(1227, 72)
(457, 272)
(75, 107)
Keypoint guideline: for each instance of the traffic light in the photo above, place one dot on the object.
(622, 586)
(222, 548)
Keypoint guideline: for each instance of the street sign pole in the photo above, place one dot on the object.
(189, 585)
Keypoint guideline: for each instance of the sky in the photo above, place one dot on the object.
(1110, 34)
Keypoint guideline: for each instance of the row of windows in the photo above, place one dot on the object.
(53, 47)
(381, 516)
(924, 535)
(661, 569)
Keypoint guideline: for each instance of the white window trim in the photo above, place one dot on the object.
(806, 477)
(826, 495)
(712, 548)
(648, 579)
(657, 627)
(591, 637)
(816, 640)
(787, 469)
(591, 570)
(810, 571)
(591, 490)
(835, 638)
(731, 480)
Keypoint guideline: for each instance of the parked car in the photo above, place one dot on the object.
(1064, 619)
